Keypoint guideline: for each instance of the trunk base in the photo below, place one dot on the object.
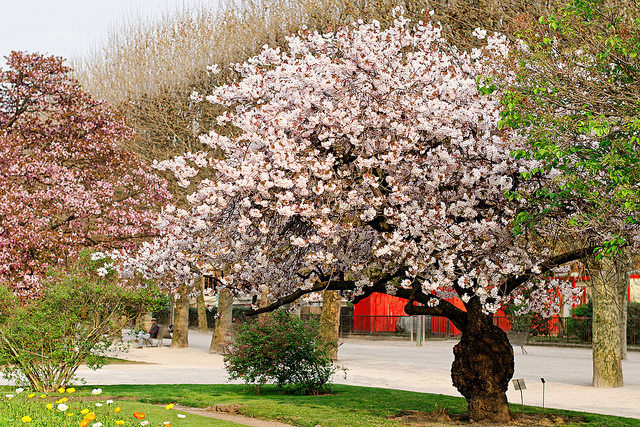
(482, 368)
(489, 407)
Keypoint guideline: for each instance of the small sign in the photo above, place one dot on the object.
(519, 384)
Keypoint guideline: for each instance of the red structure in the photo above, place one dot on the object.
(378, 313)
(381, 312)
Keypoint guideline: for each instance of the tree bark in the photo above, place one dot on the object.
(202, 310)
(329, 327)
(181, 327)
(483, 366)
(607, 277)
(222, 329)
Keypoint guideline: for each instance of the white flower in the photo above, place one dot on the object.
(97, 424)
(102, 272)
(144, 423)
(213, 69)
(181, 416)
(19, 390)
(62, 407)
(98, 404)
(97, 256)
(196, 97)
(96, 391)
(10, 396)
(479, 33)
(109, 402)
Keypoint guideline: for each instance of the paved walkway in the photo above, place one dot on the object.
(401, 365)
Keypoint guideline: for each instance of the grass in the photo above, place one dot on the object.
(347, 406)
(15, 407)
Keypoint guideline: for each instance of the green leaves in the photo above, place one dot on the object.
(576, 101)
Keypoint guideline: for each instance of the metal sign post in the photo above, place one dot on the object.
(543, 384)
(519, 384)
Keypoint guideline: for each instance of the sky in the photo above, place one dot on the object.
(71, 28)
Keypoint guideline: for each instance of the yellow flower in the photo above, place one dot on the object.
(64, 399)
(42, 396)
(70, 414)
(118, 409)
(71, 390)
(31, 395)
(26, 419)
(49, 405)
(169, 406)
(61, 390)
(120, 422)
(84, 411)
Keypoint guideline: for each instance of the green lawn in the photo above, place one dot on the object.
(347, 406)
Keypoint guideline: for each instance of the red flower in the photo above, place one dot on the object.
(138, 415)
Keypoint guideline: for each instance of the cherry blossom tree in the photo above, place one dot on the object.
(368, 160)
(64, 181)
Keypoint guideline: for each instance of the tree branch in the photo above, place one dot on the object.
(513, 282)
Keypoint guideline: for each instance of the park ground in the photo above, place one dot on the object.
(400, 364)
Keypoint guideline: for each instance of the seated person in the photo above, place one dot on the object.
(153, 333)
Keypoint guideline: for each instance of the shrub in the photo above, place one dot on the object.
(44, 341)
(282, 349)
(579, 324)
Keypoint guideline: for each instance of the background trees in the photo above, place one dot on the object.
(576, 101)
(65, 181)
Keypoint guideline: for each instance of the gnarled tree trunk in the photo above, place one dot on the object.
(181, 327)
(222, 329)
(329, 327)
(483, 366)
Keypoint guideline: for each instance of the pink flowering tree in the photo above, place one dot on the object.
(368, 160)
(65, 183)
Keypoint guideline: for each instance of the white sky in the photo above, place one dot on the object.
(70, 28)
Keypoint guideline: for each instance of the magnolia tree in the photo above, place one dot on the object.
(368, 160)
(64, 181)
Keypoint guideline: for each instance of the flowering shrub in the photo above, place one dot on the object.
(45, 340)
(283, 349)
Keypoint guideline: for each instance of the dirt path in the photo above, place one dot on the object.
(228, 413)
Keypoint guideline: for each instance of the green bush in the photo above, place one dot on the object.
(633, 323)
(73, 322)
(282, 349)
(579, 324)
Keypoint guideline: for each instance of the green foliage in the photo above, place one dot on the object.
(576, 100)
(579, 324)
(44, 341)
(283, 349)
